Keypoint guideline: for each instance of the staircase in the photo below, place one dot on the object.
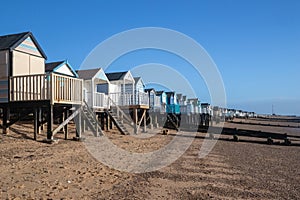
(171, 117)
(124, 123)
(91, 119)
(118, 122)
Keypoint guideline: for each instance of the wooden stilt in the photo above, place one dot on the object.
(5, 119)
(40, 118)
(35, 123)
(156, 125)
(135, 120)
(50, 122)
(107, 121)
(79, 129)
(62, 117)
(102, 120)
(110, 123)
(151, 122)
(83, 125)
(66, 115)
(96, 126)
(145, 121)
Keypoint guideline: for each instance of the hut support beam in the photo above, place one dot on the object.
(35, 123)
(135, 120)
(66, 115)
(5, 120)
(50, 122)
(79, 129)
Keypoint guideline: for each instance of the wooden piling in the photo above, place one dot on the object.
(66, 115)
(35, 122)
(5, 119)
(135, 120)
(50, 122)
(79, 129)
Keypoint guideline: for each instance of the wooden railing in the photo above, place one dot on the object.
(30, 87)
(53, 87)
(141, 98)
(127, 99)
(100, 100)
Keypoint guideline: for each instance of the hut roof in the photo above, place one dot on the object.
(87, 73)
(115, 76)
(49, 67)
(9, 42)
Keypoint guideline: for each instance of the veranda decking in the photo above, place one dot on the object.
(54, 87)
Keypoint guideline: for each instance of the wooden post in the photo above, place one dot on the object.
(102, 120)
(79, 129)
(83, 125)
(107, 121)
(96, 125)
(66, 115)
(135, 120)
(50, 122)
(145, 121)
(151, 121)
(110, 124)
(40, 124)
(35, 123)
(5, 118)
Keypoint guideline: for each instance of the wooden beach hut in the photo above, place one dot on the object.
(122, 87)
(26, 88)
(154, 100)
(141, 97)
(163, 101)
(172, 103)
(95, 88)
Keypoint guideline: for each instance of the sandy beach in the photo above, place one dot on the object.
(233, 170)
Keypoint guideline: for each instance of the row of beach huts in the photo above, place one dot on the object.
(55, 94)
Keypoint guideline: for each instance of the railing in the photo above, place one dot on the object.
(100, 100)
(66, 89)
(141, 98)
(53, 87)
(127, 99)
(30, 87)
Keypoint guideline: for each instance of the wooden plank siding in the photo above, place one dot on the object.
(53, 87)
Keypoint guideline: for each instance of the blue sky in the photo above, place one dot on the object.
(255, 44)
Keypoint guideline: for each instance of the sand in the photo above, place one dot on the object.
(65, 170)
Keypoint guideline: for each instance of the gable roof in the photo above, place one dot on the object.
(115, 76)
(53, 66)
(170, 93)
(150, 89)
(10, 42)
(137, 79)
(87, 73)
(49, 67)
(158, 93)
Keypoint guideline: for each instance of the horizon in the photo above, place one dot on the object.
(254, 44)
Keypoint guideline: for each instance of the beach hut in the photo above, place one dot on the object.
(195, 105)
(206, 108)
(163, 101)
(25, 85)
(154, 101)
(122, 87)
(141, 97)
(96, 88)
(172, 103)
